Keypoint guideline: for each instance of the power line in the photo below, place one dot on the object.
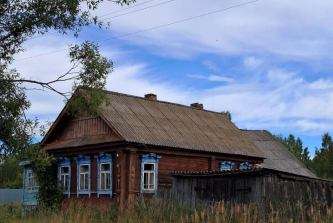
(153, 28)
(138, 10)
(127, 8)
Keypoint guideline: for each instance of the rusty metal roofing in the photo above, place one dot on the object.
(154, 122)
(277, 155)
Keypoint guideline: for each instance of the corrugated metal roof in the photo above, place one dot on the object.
(277, 155)
(160, 123)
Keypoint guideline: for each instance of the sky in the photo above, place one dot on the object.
(266, 61)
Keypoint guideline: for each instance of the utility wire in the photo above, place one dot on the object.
(127, 8)
(149, 29)
(138, 10)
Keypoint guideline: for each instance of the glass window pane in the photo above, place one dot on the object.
(64, 169)
(86, 181)
(149, 166)
(103, 181)
(151, 181)
(66, 182)
(84, 168)
(81, 181)
(108, 182)
(145, 180)
(105, 167)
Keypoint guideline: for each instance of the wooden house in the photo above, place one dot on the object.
(134, 143)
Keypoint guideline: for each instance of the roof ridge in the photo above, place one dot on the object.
(161, 101)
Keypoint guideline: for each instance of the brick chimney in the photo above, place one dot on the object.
(151, 96)
(197, 105)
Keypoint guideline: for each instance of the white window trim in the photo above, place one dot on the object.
(148, 171)
(100, 176)
(86, 173)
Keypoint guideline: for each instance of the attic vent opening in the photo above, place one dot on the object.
(197, 105)
(151, 96)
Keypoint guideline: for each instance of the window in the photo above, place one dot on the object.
(149, 173)
(32, 183)
(64, 178)
(83, 174)
(104, 176)
(84, 177)
(64, 175)
(226, 165)
(149, 176)
(244, 166)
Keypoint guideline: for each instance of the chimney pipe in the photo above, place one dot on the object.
(197, 105)
(151, 96)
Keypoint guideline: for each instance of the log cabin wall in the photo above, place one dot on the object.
(178, 161)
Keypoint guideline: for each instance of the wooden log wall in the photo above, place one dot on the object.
(267, 191)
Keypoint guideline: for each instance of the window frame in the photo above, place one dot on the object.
(151, 158)
(148, 171)
(244, 166)
(83, 160)
(84, 174)
(34, 188)
(65, 162)
(226, 165)
(104, 158)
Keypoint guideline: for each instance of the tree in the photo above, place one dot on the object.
(295, 146)
(227, 114)
(322, 162)
(11, 174)
(19, 21)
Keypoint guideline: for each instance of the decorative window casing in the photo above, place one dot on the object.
(245, 166)
(226, 165)
(32, 183)
(104, 174)
(64, 175)
(83, 166)
(149, 173)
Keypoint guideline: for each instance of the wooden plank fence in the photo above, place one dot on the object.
(266, 191)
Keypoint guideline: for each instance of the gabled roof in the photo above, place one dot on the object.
(160, 123)
(277, 155)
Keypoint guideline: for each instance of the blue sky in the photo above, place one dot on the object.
(268, 62)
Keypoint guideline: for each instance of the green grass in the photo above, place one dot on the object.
(160, 212)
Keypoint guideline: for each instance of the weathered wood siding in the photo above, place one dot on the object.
(267, 191)
(78, 128)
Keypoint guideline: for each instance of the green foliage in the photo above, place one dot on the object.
(44, 167)
(323, 160)
(295, 146)
(91, 78)
(227, 114)
(11, 174)
(22, 19)
(14, 127)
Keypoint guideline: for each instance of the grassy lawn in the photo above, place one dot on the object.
(160, 212)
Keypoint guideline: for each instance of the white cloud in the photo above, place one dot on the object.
(252, 62)
(211, 78)
(210, 65)
(280, 28)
